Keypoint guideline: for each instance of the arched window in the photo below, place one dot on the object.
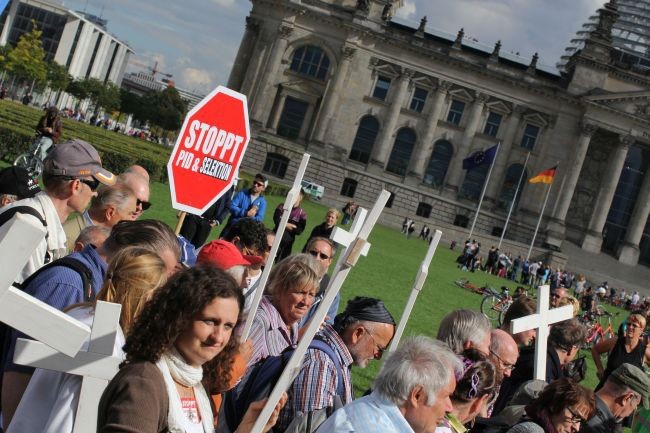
(513, 175)
(349, 187)
(276, 164)
(438, 164)
(365, 139)
(310, 60)
(473, 183)
(401, 153)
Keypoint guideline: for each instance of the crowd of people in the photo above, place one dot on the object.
(184, 300)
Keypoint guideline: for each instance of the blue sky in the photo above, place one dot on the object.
(197, 40)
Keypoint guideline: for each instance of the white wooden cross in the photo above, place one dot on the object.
(345, 238)
(292, 196)
(541, 321)
(97, 365)
(420, 278)
(347, 261)
(19, 237)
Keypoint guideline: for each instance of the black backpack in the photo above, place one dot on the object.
(258, 382)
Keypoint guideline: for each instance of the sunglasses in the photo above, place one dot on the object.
(92, 184)
(318, 254)
(145, 204)
(258, 183)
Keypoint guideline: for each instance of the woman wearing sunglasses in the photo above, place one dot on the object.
(561, 408)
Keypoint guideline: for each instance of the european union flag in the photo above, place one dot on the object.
(480, 158)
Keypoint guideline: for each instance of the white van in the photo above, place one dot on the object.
(314, 190)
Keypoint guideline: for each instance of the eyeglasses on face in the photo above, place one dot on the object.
(257, 183)
(145, 204)
(574, 418)
(506, 365)
(318, 254)
(93, 183)
(380, 350)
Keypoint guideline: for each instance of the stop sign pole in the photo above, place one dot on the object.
(208, 151)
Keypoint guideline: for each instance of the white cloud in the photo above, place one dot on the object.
(407, 10)
(224, 3)
(193, 78)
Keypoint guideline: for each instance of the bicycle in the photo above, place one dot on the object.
(31, 161)
(465, 284)
(494, 304)
(596, 333)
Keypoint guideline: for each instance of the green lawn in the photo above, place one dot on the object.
(387, 273)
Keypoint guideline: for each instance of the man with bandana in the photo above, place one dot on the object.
(359, 334)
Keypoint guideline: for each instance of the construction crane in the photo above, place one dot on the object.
(153, 70)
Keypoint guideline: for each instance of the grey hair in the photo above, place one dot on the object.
(461, 326)
(237, 272)
(418, 361)
(9, 197)
(114, 195)
(90, 234)
(619, 389)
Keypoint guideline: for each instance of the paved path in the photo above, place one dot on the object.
(602, 267)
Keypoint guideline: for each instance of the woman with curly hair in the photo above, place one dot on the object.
(475, 387)
(180, 340)
(50, 401)
(560, 408)
(292, 286)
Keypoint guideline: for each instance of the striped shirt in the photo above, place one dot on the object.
(269, 334)
(316, 384)
(370, 414)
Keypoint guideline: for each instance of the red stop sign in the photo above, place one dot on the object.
(209, 150)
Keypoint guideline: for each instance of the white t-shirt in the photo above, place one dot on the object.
(50, 402)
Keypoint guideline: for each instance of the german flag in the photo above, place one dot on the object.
(545, 176)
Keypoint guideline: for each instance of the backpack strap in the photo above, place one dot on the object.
(76, 265)
(319, 344)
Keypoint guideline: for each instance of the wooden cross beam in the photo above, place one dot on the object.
(19, 237)
(541, 321)
(97, 365)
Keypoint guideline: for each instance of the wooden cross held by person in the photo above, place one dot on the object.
(292, 196)
(420, 278)
(344, 238)
(19, 237)
(97, 365)
(541, 321)
(348, 260)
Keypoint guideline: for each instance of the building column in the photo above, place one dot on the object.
(9, 22)
(556, 229)
(265, 97)
(456, 163)
(424, 147)
(629, 251)
(499, 170)
(380, 151)
(246, 46)
(81, 51)
(594, 238)
(333, 92)
(273, 123)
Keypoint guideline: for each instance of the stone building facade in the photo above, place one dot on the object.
(379, 104)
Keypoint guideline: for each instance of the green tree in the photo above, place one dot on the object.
(78, 89)
(109, 97)
(27, 60)
(57, 77)
(166, 109)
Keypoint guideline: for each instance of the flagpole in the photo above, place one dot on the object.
(487, 180)
(541, 214)
(514, 199)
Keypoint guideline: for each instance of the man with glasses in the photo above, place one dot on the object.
(140, 186)
(248, 203)
(624, 389)
(557, 295)
(322, 250)
(360, 333)
(503, 354)
(71, 174)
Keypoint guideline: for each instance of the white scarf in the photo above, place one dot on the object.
(174, 368)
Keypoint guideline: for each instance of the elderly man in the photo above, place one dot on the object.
(72, 172)
(360, 333)
(411, 393)
(112, 204)
(465, 329)
(140, 186)
(619, 397)
(91, 235)
(557, 295)
(323, 251)
(503, 353)
(564, 342)
(225, 256)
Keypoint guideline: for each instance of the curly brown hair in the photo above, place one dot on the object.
(172, 310)
(561, 394)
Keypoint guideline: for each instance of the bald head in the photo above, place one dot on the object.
(503, 352)
(140, 187)
(138, 169)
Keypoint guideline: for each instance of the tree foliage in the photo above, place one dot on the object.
(27, 60)
(57, 76)
(101, 95)
(165, 108)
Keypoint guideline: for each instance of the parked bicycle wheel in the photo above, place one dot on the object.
(490, 307)
(30, 163)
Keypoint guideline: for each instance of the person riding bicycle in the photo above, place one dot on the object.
(49, 130)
